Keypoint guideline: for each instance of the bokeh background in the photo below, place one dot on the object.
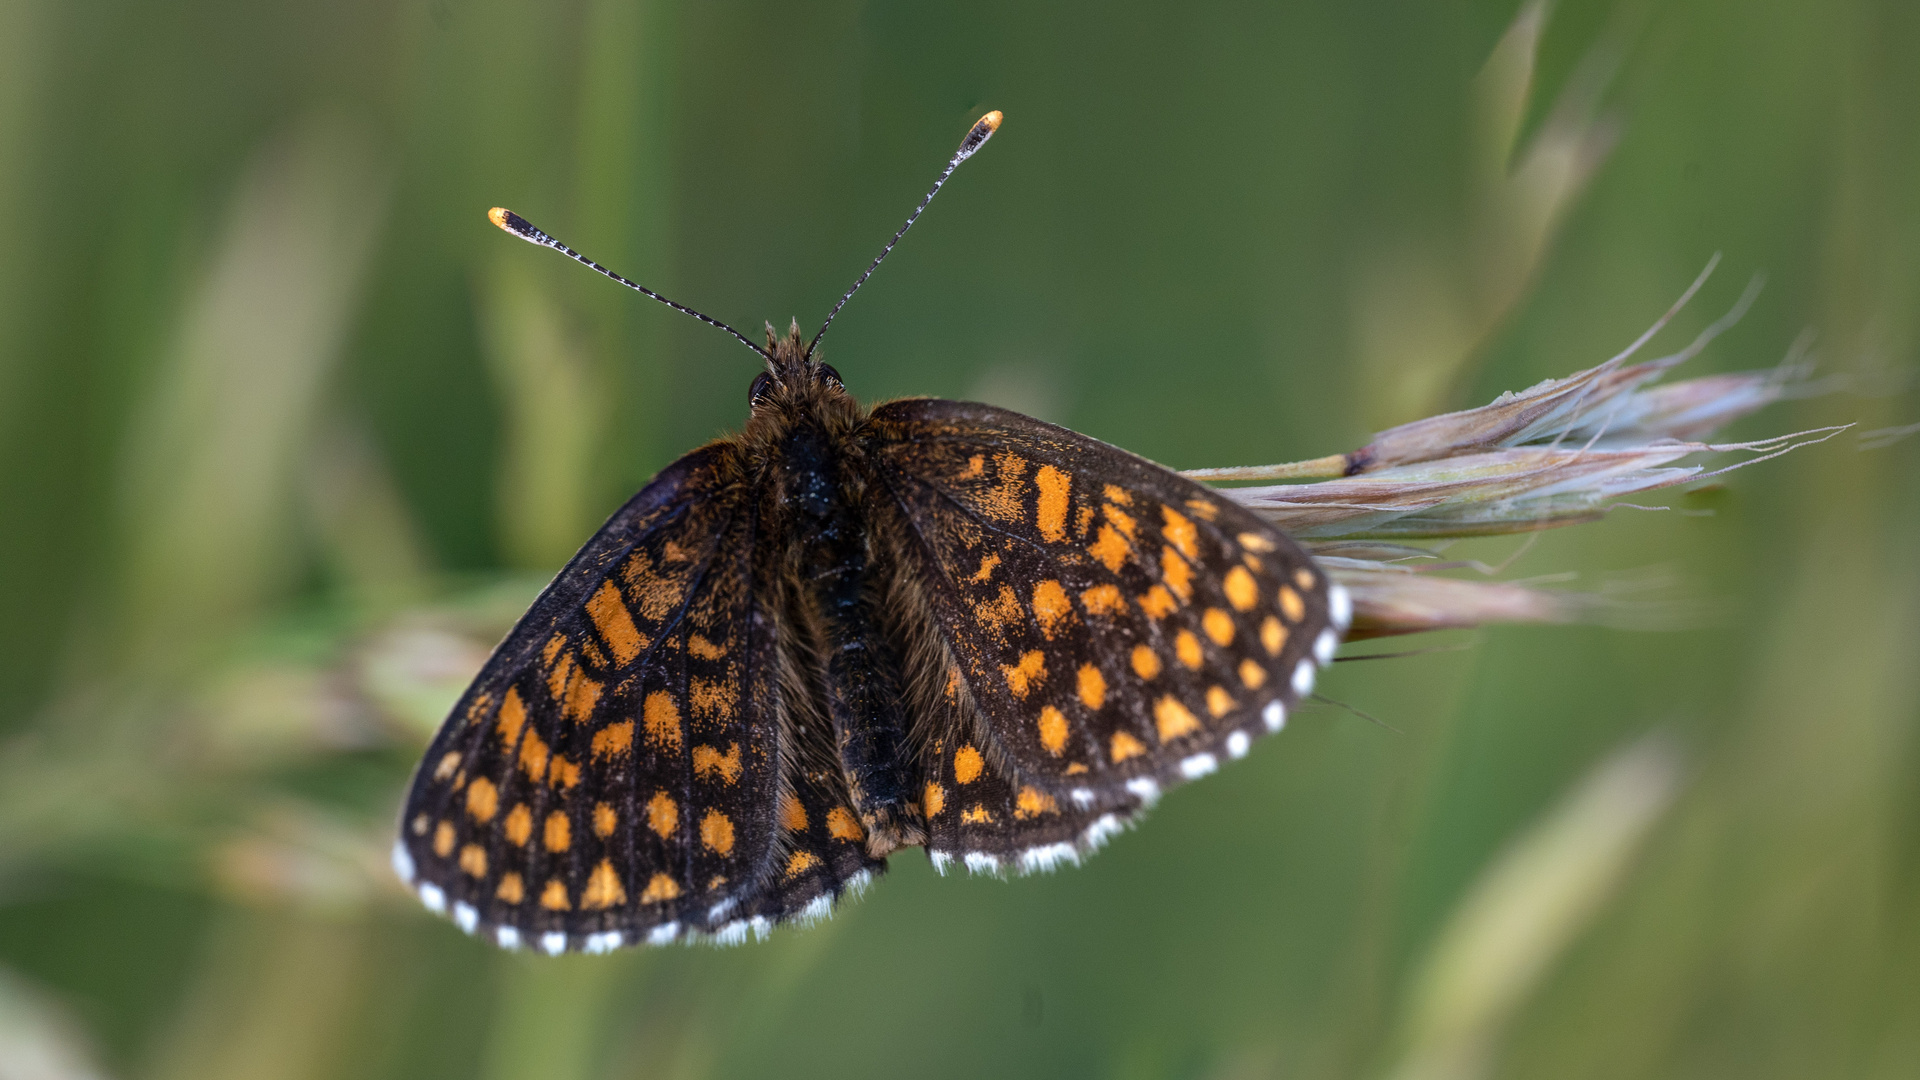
(289, 434)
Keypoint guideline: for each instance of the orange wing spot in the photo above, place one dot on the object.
(1252, 675)
(512, 890)
(1241, 591)
(554, 896)
(1076, 769)
(613, 739)
(1110, 548)
(709, 763)
(1006, 501)
(519, 825)
(713, 699)
(660, 888)
(1218, 625)
(1082, 521)
(595, 657)
(1291, 605)
(1053, 730)
(935, 799)
(716, 881)
(582, 696)
(448, 763)
(672, 552)
(662, 719)
(987, 563)
(1219, 702)
(1146, 663)
(1180, 532)
(1026, 674)
(1173, 719)
(605, 820)
(1177, 573)
(478, 707)
(1121, 520)
(716, 832)
(976, 468)
(1253, 562)
(976, 815)
(550, 652)
(1093, 687)
(967, 764)
(1000, 612)
(1032, 802)
(1303, 577)
(609, 612)
(663, 814)
(576, 693)
(1051, 607)
(656, 595)
(513, 717)
(801, 862)
(1253, 541)
(443, 839)
(1158, 602)
(1117, 494)
(473, 859)
(558, 833)
(1055, 489)
(1125, 746)
(1187, 648)
(953, 686)
(482, 799)
(563, 773)
(1203, 509)
(703, 649)
(841, 825)
(533, 756)
(1273, 636)
(603, 888)
(1103, 600)
(793, 816)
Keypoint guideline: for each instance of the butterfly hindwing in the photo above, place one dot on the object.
(612, 775)
(1120, 628)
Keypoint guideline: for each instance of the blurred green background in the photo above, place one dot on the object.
(289, 433)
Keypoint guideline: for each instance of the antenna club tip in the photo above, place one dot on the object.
(499, 215)
(991, 120)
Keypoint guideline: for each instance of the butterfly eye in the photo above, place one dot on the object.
(762, 386)
(826, 372)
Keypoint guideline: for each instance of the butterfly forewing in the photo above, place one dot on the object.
(614, 773)
(1119, 628)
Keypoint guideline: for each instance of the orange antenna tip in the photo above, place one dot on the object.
(977, 137)
(521, 228)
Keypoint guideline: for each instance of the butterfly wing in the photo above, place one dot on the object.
(616, 772)
(1119, 629)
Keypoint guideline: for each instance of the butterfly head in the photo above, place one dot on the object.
(794, 373)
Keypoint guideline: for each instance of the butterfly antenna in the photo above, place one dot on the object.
(524, 229)
(977, 137)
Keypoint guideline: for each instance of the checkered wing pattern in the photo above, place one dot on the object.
(617, 773)
(1118, 629)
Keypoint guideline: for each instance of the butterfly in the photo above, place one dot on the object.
(843, 632)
